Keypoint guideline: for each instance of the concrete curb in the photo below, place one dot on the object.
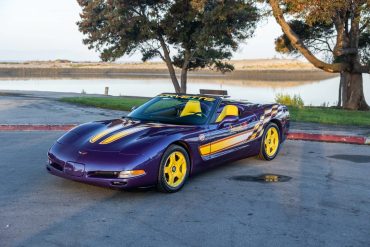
(328, 138)
(36, 127)
(291, 136)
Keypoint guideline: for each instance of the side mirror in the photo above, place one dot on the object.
(134, 108)
(228, 120)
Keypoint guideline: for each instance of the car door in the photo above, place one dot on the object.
(226, 138)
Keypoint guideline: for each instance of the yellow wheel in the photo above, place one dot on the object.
(270, 142)
(174, 169)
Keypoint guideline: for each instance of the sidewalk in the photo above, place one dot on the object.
(26, 110)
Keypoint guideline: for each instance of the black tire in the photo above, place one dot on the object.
(163, 185)
(263, 153)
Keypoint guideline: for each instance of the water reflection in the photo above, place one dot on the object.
(313, 93)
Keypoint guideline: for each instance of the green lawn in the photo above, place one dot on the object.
(330, 116)
(306, 114)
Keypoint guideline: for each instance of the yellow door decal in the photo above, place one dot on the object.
(242, 137)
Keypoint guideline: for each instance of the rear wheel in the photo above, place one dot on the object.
(174, 169)
(270, 142)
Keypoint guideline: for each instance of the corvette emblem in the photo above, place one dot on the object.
(202, 137)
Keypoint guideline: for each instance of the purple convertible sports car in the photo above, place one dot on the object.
(168, 139)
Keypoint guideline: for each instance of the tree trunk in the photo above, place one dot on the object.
(184, 79)
(184, 70)
(339, 104)
(352, 91)
(169, 64)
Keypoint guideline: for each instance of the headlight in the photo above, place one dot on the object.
(131, 174)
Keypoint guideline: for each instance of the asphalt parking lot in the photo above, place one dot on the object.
(44, 108)
(326, 203)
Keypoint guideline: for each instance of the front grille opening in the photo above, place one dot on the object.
(57, 166)
(103, 174)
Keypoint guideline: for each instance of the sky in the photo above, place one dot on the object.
(47, 30)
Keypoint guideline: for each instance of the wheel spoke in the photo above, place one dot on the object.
(171, 178)
(173, 159)
(176, 164)
(167, 169)
(267, 135)
(177, 175)
(180, 171)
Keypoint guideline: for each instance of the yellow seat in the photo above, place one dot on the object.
(229, 110)
(191, 108)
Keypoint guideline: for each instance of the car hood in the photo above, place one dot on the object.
(120, 134)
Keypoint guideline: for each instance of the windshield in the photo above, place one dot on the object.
(176, 109)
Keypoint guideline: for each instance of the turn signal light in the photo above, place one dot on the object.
(131, 174)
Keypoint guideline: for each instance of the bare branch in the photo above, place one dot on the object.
(321, 49)
(161, 56)
(326, 42)
(365, 25)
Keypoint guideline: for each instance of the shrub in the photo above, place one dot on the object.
(288, 100)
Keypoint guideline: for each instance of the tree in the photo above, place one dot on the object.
(334, 35)
(199, 33)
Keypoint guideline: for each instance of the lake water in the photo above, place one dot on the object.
(313, 93)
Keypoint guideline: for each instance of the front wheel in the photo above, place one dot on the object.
(174, 169)
(270, 142)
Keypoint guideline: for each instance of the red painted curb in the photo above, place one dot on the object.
(327, 138)
(36, 127)
(291, 136)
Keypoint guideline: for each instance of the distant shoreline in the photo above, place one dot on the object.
(259, 70)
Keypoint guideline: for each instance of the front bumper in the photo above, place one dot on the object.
(116, 183)
(96, 170)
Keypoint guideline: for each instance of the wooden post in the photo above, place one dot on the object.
(106, 91)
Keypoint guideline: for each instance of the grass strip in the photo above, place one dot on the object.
(326, 115)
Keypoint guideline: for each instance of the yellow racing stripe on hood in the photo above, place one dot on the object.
(104, 133)
(121, 134)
